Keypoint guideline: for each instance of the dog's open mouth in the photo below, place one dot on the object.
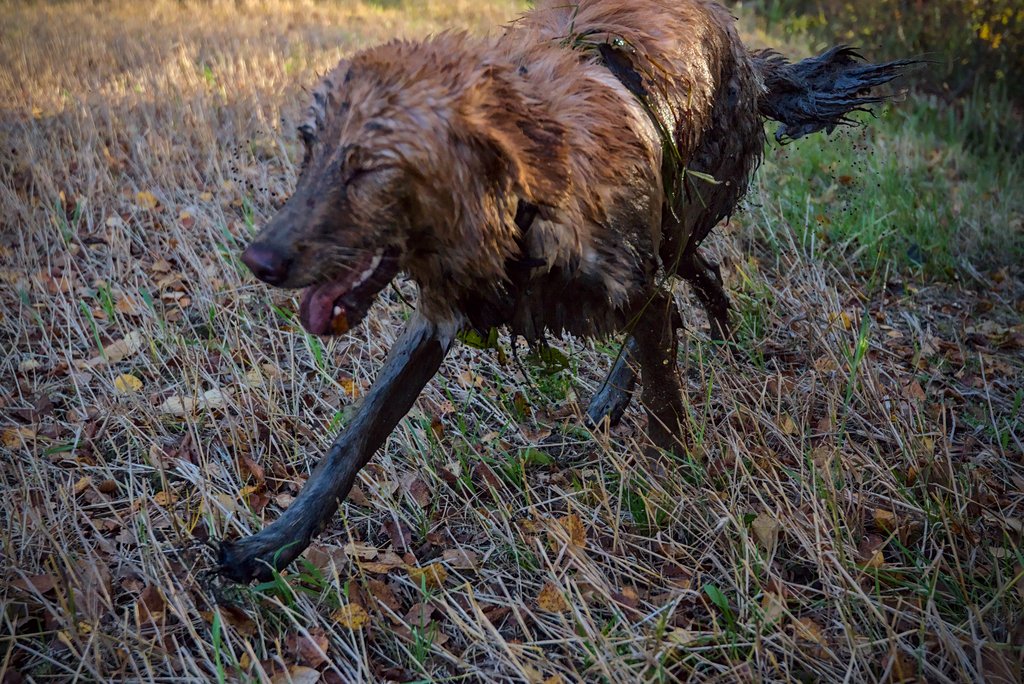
(334, 306)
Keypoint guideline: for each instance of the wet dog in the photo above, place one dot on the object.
(545, 180)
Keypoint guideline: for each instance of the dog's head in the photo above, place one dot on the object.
(416, 157)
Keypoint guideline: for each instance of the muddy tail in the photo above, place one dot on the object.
(820, 92)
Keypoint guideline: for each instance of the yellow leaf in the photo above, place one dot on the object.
(885, 520)
(165, 498)
(787, 424)
(809, 630)
(206, 197)
(352, 616)
(551, 599)
(127, 383)
(350, 387)
(146, 199)
(247, 491)
(574, 527)
(82, 484)
(432, 576)
(15, 438)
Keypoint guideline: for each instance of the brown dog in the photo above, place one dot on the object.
(544, 180)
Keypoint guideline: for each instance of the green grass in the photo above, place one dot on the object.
(923, 187)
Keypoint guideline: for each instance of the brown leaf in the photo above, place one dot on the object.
(419, 615)
(460, 559)
(383, 594)
(308, 649)
(388, 561)
(41, 583)
(809, 630)
(574, 528)
(399, 533)
(296, 674)
(361, 550)
(766, 530)
(418, 490)
(120, 350)
(551, 600)
(151, 604)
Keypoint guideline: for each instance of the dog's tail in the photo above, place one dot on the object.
(820, 92)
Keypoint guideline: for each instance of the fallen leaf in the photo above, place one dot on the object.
(151, 604)
(885, 520)
(573, 526)
(349, 386)
(120, 350)
(126, 383)
(809, 630)
(187, 406)
(551, 600)
(787, 424)
(387, 562)
(309, 649)
(351, 616)
(432, 576)
(146, 200)
(15, 438)
(766, 530)
(383, 594)
(165, 498)
(460, 559)
(418, 490)
(361, 550)
(773, 606)
(296, 674)
(419, 615)
(41, 583)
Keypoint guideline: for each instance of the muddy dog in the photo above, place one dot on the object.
(547, 180)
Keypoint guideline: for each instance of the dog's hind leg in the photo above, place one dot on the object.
(657, 347)
(706, 278)
(414, 359)
(612, 399)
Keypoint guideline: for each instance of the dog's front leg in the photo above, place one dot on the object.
(413, 360)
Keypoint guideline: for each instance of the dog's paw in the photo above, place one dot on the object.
(253, 558)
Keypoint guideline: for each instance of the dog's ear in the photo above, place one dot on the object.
(521, 138)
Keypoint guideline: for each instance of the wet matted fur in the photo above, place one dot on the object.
(548, 180)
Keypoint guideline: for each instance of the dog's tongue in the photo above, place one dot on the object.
(331, 308)
(317, 309)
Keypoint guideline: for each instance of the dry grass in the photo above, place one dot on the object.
(850, 509)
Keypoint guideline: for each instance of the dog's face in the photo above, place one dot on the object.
(411, 161)
(341, 233)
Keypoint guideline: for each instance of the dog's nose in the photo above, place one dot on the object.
(266, 263)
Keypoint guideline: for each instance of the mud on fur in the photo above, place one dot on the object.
(547, 180)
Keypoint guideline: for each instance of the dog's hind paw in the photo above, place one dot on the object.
(609, 403)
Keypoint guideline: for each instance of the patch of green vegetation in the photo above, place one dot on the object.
(923, 187)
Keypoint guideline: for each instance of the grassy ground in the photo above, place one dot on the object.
(851, 508)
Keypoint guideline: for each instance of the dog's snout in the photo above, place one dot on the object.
(267, 263)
